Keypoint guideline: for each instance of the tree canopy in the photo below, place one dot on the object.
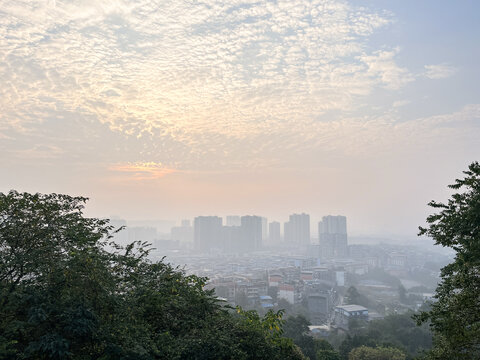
(380, 353)
(296, 328)
(64, 296)
(455, 316)
(399, 331)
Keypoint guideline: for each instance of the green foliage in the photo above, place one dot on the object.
(327, 355)
(399, 331)
(322, 344)
(352, 342)
(380, 353)
(352, 296)
(455, 317)
(325, 351)
(296, 328)
(64, 296)
(402, 332)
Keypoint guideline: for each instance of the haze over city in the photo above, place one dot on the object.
(161, 110)
(239, 179)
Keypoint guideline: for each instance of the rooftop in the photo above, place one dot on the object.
(351, 308)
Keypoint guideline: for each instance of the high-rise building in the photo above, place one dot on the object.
(251, 233)
(274, 232)
(333, 225)
(233, 220)
(332, 236)
(182, 233)
(264, 229)
(297, 229)
(207, 234)
(232, 239)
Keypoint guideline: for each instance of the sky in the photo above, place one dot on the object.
(172, 109)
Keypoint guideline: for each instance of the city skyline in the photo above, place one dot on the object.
(227, 220)
(164, 226)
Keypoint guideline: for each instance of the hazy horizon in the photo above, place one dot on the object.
(161, 110)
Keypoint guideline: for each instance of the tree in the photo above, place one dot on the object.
(325, 350)
(455, 316)
(296, 328)
(380, 353)
(353, 296)
(399, 331)
(352, 342)
(54, 288)
(64, 296)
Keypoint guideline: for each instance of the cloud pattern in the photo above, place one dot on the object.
(439, 71)
(184, 82)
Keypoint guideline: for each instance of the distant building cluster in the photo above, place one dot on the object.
(261, 265)
(250, 233)
(243, 235)
(315, 285)
(293, 280)
(239, 235)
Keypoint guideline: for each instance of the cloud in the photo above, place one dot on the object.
(400, 103)
(203, 86)
(389, 134)
(142, 170)
(186, 69)
(440, 71)
(381, 66)
(40, 152)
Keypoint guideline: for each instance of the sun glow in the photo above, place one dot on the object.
(143, 170)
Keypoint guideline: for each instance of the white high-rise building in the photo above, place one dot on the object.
(297, 229)
(251, 233)
(264, 228)
(332, 236)
(274, 232)
(207, 233)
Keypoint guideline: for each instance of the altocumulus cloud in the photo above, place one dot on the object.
(242, 82)
(439, 71)
(236, 68)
